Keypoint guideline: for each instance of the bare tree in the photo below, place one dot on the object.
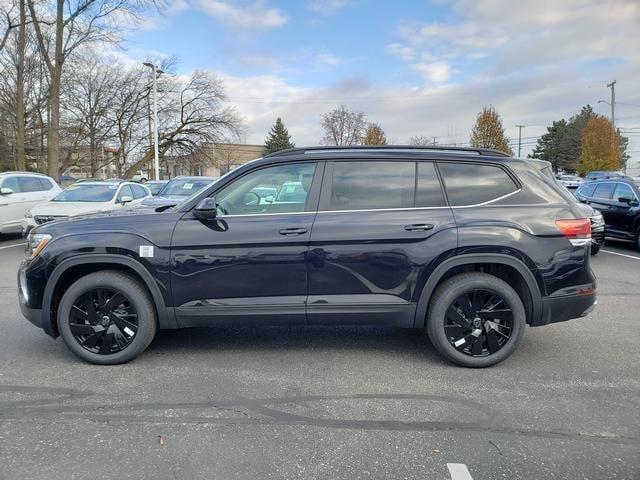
(343, 127)
(72, 24)
(420, 141)
(191, 115)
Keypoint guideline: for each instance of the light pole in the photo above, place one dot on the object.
(520, 127)
(155, 71)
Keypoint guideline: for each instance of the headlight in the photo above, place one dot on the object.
(36, 243)
(28, 214)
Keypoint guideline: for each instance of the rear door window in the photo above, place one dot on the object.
(604, 191)
(31, 184)
(623, 190)
(363, 185)
(429, 192)
(139, 192)
(474, 184)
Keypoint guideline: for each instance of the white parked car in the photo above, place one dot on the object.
(140, 176)
(86, 197)
(20, 191)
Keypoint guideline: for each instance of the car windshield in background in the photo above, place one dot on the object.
(87, 193)
(574, 178)
(154, 187)
(184, 188)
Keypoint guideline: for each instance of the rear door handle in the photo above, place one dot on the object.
(419, 227)
(293, 231)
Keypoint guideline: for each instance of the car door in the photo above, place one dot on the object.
(12, 205)
(139, 194)
(35, 190)
(250, 262)
(622, 214)
(601, 201)
(379, 226)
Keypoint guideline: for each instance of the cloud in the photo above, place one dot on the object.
(249, 16)
(323, 61)
(327, 7)
(436, 72)
(401, 51)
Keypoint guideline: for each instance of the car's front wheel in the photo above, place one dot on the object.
(475, 319)
(107, 318)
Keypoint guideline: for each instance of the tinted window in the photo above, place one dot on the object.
(87, 193)
(365, 185)
(604, 190)
(429, 192)
(587, 190)
(12, 183)
(623, 190)
(184, 188)
(45, 184)
(31, 184)
(139, 191)
(253, 193)
(472, 184)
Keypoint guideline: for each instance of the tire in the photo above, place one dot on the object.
(466, 286)
(119, 339)
(594, 249)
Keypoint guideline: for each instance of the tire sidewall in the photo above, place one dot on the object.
(131, 290)
(451, 290)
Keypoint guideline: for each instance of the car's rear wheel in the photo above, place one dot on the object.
(595, 248)
(475, 319)
(107, 318)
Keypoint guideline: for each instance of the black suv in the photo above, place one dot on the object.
(617, 200)
(470, 244)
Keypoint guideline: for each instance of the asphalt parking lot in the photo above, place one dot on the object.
(328, 402)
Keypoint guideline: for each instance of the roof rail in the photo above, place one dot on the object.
(389, 148)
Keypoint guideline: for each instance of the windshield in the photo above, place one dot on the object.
(155, 187)
(87, 193)
(570, 177)
(183, 187)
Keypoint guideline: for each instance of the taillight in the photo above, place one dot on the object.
(577, 230)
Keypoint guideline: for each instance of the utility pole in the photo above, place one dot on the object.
(155, 71)
(612, 86)
(434, 141)
(520, 127)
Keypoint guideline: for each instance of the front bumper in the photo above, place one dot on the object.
(597, 236)
(29, 306)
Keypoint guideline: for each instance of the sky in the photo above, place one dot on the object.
(416, 67)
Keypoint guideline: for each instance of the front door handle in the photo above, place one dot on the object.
(293, 231)
(419, 227)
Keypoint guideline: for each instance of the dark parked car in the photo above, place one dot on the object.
(177, 190)
(617, 200)
(599, 174)
(597, 227)
(469, 244)
(155, 186)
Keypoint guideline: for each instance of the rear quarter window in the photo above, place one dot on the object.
(474, 184)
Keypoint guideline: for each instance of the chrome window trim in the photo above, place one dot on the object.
(489, 201)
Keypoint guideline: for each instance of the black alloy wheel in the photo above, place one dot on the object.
(107, 317)
(479, 322)
(103, 321)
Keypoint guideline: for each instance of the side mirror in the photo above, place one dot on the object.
(627, 200)
(126, 199)
(207, 209)
(5, 191)
(269, 199)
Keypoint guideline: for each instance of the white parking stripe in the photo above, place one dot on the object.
(459, 471)
(20, 245)
(620, 254)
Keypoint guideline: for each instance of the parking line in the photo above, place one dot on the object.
(19, 245)
(620, 254)
(459, 471)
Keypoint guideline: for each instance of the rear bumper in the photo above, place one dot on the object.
(567, 307)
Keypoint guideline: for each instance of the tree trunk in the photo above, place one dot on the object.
(53, 134)
(21, 159)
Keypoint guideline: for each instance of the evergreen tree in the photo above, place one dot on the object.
(278, 139)
(489, 133)
(553, 147)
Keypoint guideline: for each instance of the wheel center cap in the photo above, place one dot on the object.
(477, 322)
(105, 321)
